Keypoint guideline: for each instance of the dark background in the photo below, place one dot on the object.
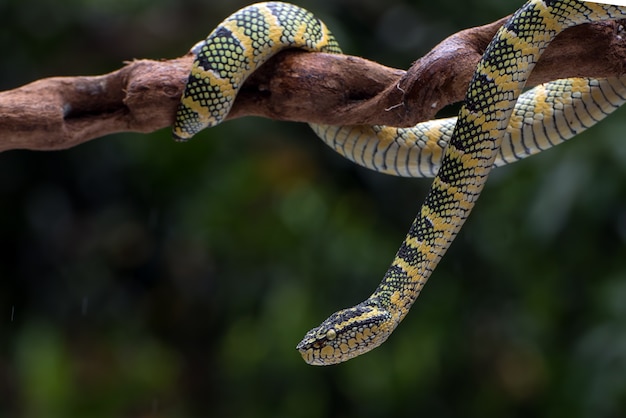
(146, 278)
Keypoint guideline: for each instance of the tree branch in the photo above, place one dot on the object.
(61, 112)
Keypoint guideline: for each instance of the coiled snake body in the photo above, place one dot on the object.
(461, 153)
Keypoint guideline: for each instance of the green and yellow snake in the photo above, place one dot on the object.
(493, 127)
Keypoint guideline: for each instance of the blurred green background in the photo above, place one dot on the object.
(146, 278)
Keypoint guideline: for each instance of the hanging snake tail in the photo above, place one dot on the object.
(239, 45)
(484, 116)
(544, 116)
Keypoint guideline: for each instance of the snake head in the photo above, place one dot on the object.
(347, 334)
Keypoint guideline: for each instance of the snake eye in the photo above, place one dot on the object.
(331, 334)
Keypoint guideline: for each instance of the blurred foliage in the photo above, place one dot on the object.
(146, 278)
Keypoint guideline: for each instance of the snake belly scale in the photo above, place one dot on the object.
(462, 158)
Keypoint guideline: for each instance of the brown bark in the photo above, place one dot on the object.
(61, 112)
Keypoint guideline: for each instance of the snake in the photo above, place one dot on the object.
(458, 152)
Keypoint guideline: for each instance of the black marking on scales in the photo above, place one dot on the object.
(255, 27)
(223, 54)
(526, 25)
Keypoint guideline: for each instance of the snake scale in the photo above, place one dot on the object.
(544, 116)
(459, 152)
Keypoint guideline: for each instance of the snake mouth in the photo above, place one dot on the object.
(328, 354)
